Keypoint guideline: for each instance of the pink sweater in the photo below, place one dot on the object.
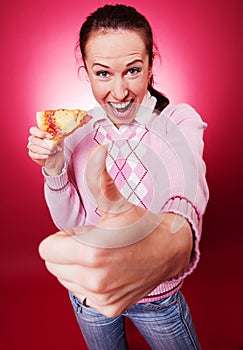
(156, 162)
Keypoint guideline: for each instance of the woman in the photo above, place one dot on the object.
(130, 249)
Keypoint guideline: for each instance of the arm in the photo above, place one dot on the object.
(112, 279)
(184, 130)
(62, 198)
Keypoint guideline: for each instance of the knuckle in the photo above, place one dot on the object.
(94, 258)
(103, 286)
(99, 285)
(92, 284)
(31, 130)
(31, 154)
(111, 311)
(50, 267)
(35, 157)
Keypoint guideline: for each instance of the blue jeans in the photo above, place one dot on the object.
(165, 324)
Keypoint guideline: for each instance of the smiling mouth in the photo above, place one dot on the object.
(121, 109)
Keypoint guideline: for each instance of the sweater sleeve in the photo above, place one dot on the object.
(63, 201)
(184, 132)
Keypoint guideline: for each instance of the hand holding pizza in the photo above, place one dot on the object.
(40, 151)
(46, 140)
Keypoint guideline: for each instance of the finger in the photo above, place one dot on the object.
(86, 301)
(56, 248)
(64, 275)
(110, 307)
(102, 186)
(70, 273)
(40, 142)
(74, 288)
(35, 131)
(83, 241)
(79, 279)
(39, 150)
(108, 310)
(37, 157)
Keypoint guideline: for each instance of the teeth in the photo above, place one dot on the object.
(120, 105)
(121, 109)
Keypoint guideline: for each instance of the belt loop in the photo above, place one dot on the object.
(79, 308)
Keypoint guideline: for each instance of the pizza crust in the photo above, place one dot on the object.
(60, 123)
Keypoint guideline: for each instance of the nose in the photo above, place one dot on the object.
(119, 89)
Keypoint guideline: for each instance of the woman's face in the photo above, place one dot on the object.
(118, 69)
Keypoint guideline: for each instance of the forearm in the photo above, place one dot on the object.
(63, 201)
(175, 236)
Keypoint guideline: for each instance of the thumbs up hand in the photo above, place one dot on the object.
(122, 259)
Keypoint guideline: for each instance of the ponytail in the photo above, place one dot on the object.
(162, 100)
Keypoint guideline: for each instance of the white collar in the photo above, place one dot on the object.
(146, 109)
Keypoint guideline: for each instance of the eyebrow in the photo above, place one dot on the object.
(127, 65)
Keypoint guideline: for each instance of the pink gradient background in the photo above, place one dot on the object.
(201, 50)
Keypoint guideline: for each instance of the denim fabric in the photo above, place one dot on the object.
(165, 324)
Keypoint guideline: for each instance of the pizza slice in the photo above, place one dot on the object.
(60, 123)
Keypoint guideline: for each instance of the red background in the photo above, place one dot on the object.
(201, 50)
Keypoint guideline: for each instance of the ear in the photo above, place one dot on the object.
(86, 73)
(151, 63)
(87, 76)
(150, 69)
(150, 74)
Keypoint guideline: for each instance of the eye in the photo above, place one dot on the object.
(134, 71)
(102, 74)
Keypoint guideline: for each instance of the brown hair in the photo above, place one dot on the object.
(122, 17)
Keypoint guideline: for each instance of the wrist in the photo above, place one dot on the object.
(54, 171)
(56, 182)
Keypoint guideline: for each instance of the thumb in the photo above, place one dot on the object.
(102, 186)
